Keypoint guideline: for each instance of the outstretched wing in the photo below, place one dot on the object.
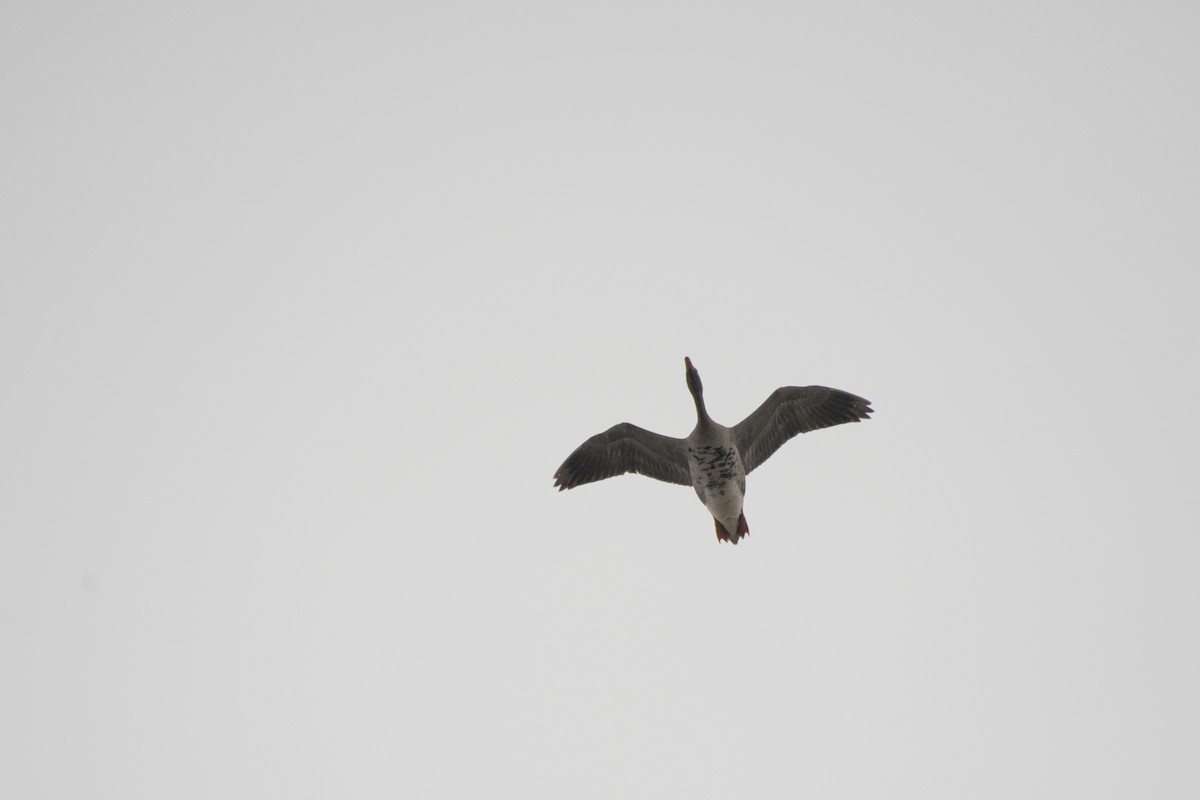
(625, 448)
(792, 410)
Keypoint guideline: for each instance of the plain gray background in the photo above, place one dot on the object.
(301, 305)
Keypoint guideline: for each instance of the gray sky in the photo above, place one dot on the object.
(302, 305)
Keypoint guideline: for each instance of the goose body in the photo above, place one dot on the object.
(719, 478)
(713, 459)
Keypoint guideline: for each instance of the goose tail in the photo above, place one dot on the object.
(740, 530)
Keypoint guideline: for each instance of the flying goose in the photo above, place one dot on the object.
(713, 459)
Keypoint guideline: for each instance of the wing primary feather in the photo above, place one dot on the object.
(625, 448)
(790, 411)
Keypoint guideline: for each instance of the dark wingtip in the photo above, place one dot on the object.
(860, 409)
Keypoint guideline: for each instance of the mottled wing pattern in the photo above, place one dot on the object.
(792, 410)
(625, 448)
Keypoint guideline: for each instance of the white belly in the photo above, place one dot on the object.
(719, 479)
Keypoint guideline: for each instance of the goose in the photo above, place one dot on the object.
(713, 459)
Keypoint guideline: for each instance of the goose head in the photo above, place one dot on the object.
(695, 387)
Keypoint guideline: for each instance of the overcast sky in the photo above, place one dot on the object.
(301, 306)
